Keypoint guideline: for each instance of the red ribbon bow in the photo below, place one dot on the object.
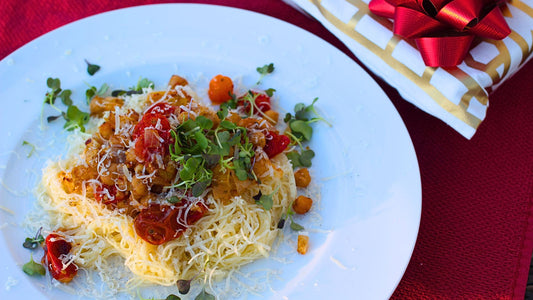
(444, 29)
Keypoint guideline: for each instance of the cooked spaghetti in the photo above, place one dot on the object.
(170, 185)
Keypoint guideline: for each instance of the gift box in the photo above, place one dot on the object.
(458, 95)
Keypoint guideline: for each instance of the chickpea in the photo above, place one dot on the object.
(100, 105)
(138, 188)
(258, 138)
(234, 118)
(302, 177)
(177, 80)
(303, 244)
(106, 130)
(302, 204)
(273, 116)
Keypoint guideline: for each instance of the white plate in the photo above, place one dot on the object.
(366, 164)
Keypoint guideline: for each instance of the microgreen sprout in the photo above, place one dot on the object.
(143, 83)
(265, 200)
(137, 89)
(169, 297)
(198, 148)
(33, 243)
(174, 200)
(33, 148)
(92, 68)
(301, 159)
(301, 131)
(93, 91)
(264, 70)
(74, 116)
(289, 216)
(33, 269)
(204, 295)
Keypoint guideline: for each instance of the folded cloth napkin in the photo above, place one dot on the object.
(456, 95)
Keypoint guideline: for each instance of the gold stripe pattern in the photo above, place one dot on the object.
(501, 62)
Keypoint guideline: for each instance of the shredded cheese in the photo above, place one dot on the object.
(227, 237)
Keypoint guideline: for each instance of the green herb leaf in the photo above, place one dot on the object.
(33, 269)
(32, 243)
(52, 118)
(143, 83)
(287, 118)
(65, 97)
(199, 187)
(117, 93)
(301, 129)
(172, 297)
(204, 296)
(266, 200)
(270, 92)
(227, 125)
(301, 159)
(294, 158)
(53, 83)
(76, 118)
(295, 226)
(92, 68)
(187, 173)
(174, 199)
(264, 70)
(204, 123)
(306, 156)
(90, 93)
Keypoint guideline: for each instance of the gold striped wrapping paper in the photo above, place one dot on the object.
(458, 96)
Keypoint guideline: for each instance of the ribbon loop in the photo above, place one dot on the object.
(460, 14)
(444, 29)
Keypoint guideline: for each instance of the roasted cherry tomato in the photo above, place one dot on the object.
(153, 136)
(220, 89)
(55, 247)
(158, 223)
(275, 143)
(109, 194)
(262, 102)
(162, 108)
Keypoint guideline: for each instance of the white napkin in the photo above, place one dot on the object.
(457, 96)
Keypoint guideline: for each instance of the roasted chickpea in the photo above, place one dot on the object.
(302, 204)
(177, 80)
(273, 116)
(303, 244)
(100, 105)
(302, 177)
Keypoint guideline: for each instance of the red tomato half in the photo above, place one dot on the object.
(153, 136)
(275, 143)
(262, 102)
(108, 194)
(55, 247)
(158, 223)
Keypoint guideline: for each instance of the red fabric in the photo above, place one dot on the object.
(476, 231)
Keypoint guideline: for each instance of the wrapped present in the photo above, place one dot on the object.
(410, 43)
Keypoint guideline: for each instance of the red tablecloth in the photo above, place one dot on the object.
(476, 231)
